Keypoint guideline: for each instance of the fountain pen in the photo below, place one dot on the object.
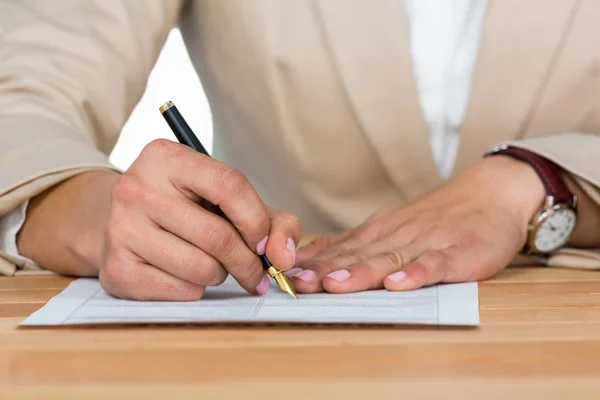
(186, 136)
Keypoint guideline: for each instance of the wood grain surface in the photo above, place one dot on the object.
(539, 338)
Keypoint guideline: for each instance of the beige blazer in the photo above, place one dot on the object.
(313, 99)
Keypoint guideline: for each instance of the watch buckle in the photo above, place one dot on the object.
(574, 201)
(550, 202)
(495, 150)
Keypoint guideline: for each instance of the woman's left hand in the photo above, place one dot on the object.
(467, 229)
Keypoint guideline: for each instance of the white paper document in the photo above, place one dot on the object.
(84, 302)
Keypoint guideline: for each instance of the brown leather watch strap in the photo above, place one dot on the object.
(548, 172)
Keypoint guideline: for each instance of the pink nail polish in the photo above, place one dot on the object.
(261, 247)
(306, 276)
(397, 277)
(293, 272)
(340, 275)
(291, 247)
(264, 285)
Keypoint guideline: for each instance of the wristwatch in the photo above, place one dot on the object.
(553, 224)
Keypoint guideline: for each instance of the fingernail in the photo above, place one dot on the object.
(264, 285)
(340, 275)
(293, 272)
(397, 277)
(306, 276)
(261, 247)
(291, 246)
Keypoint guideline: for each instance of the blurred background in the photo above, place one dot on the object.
(173, 78)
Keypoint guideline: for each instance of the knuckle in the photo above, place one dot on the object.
(394, 258)
(220, 239)
(247, 270)
(419, 272)
(191, 293)
(358, 256)
(113, 277)
(433, 259)
(208, 272)
(233, 183)
(291, 220)
(409, 231)
(161, 149)
(130, 192)
(255, 273)
(218, 276)
(368, 233)
(470, 240)
(127, 190)
(189, 267)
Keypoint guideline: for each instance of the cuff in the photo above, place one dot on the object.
(576, 153)
(36, 154)
(10, 225)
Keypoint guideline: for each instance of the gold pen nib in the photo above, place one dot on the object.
(282, 280)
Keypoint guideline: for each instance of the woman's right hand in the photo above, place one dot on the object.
(162, 245)
(159, 243)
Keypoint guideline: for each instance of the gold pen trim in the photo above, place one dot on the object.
(166, 106)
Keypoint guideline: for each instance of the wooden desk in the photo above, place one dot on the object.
(539, 338)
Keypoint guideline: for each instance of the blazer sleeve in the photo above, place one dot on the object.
(578, 154)
(71, 72)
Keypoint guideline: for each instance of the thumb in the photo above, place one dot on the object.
(284, 236)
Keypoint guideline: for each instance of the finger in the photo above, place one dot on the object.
(429, 268)
(225, 187)
(315, 246)
(322, 262)
(308, 279)
(369, 274)
(377, 239)
(286, 231)
(366, 240)
(309, 273)
(126, 276)
(176, 256)
(398, 240)
(211, 234)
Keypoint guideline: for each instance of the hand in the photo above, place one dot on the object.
(160, 244)
(468, 229)
(148, 237)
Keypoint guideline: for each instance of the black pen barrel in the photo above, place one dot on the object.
(181, 129)
(186, 136)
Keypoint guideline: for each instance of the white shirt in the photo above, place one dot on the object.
(444, 40)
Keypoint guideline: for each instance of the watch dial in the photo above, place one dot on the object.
(555, 230)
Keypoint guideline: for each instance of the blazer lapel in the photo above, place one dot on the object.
(519, 42)
(368, 42)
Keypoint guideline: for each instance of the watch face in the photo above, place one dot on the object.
(555, 230)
